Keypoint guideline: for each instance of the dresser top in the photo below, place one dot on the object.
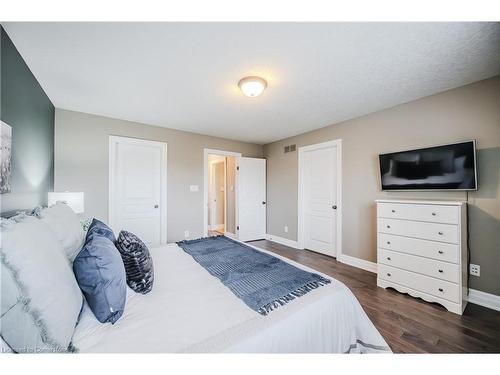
(415, 201)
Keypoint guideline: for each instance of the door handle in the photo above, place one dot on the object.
(334, 206)
(263, 202)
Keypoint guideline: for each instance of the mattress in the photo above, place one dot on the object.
(189, 310)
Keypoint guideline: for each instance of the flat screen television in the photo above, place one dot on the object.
(446, 167)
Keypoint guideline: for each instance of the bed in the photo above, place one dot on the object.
(189, 310)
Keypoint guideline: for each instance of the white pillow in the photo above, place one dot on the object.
(66, 226)
(41, 300)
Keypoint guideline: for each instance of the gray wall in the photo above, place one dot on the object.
(30, 113)
(81, 164)
(469, 112)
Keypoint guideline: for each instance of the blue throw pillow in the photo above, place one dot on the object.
(101, 276)
(98, 227)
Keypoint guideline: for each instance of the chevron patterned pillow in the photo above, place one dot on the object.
(137, 260)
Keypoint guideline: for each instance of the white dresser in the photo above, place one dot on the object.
(422, 250)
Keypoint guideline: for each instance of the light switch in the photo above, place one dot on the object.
(193, 188)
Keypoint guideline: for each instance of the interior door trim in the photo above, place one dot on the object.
(301, 191)
(114, 140)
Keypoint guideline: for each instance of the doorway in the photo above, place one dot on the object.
(243, 193)
(138, 188)
(320, 198)
(217, 195)
(220, 193)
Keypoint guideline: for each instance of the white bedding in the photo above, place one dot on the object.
(189, 310)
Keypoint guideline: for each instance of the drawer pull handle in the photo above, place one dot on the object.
(440, 233)
(440, 289)
(434, 214)
(440, 251)
(388, 242)
(393, 211)
(388, 226)
(440, 271)
(389, 274)
(388, 258)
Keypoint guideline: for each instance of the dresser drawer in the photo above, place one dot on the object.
(419, 212)
(426, 284)
(446, 252)
(417, 229)
(440, 270)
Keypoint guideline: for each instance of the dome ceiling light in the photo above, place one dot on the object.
(252, 86)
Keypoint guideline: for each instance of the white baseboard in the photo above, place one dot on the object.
(283, 241)
(230, 235)
(357, 262)
(488, 300)
(347, 259)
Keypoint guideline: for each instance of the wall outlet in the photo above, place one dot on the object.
(286, 228)
(186, 234)
(475, 270)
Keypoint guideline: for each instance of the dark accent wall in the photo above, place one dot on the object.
(30, 113)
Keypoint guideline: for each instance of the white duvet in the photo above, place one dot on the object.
(189, 310)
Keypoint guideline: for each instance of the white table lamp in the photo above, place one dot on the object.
(72, 199)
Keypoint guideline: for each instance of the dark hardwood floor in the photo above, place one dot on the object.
(409, 325)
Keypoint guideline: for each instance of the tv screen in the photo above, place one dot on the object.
(447, 167)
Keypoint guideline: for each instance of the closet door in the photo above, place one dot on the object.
(138, 188)
(319, 203)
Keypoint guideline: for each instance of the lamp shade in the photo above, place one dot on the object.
(72, 199)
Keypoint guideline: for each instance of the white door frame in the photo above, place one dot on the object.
(301, 191)
(206, 152)
(225, 195)
(113, 140)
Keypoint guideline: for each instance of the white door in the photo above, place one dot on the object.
(320, 197)
(251, 198)
(138, 188)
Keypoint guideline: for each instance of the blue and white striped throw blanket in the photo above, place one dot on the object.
(262, 281)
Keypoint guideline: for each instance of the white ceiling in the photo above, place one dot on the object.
(184, 75)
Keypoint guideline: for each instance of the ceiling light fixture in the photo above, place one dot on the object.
(252, 86)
